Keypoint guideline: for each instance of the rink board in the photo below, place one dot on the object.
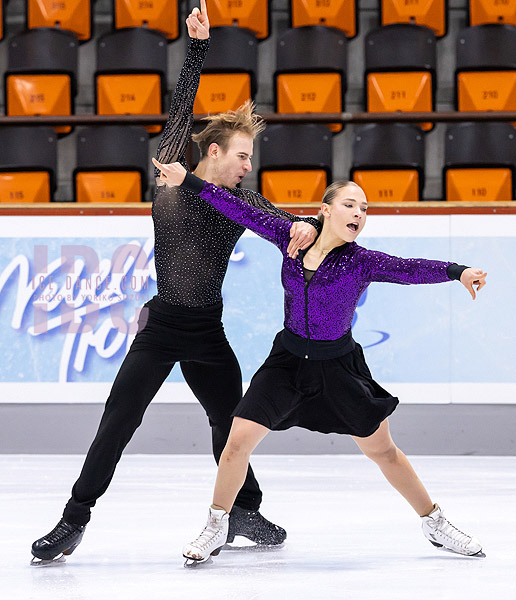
(427, 344)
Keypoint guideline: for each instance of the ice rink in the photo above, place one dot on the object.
(349, 534)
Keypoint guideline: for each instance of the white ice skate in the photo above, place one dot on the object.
(442, 534)
(211, 540)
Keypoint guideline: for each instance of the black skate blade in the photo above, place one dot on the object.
(243, 544)
(51, 562)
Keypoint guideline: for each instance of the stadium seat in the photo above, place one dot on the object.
(400, 62)
(248, 14)
(388, 162)
(112, 164)
(295, 162)
(71, 15)
(28, 164)
(131, 73)
(479, 162)
(485, 72)
(162, 15)
(430, 13)
(310, 75)
(228, 76)
(482, 12)
(41, 74)
(341, 14)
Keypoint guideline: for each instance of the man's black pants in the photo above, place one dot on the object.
(167, 334)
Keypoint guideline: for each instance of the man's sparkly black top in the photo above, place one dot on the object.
(193, 242)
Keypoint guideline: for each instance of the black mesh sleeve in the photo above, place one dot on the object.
(261, 202)
(176, 135)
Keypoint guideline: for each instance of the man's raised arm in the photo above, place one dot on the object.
(176, 135)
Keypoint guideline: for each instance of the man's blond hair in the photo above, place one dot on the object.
(222, 126)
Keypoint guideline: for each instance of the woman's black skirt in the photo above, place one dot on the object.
(336, 395)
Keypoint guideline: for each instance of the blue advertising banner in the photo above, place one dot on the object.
(71, 289)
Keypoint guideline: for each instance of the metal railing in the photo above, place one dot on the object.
(343, 118)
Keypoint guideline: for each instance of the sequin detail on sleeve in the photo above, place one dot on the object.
(378, 266)
(176, 135)
(271, 227)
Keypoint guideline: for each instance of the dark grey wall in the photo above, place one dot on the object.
(183, 429)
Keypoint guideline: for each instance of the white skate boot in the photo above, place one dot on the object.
(442, 534)
(211, 540)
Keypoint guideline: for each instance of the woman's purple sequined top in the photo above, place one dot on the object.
(323, 308)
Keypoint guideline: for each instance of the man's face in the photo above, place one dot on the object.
(234, 163)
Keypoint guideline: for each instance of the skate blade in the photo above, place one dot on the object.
(479, 554)
(191, 563)
(51, 562)
(243, 544)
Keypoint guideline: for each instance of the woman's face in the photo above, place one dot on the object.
(346, 215)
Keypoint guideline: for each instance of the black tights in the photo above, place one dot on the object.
(193, 337)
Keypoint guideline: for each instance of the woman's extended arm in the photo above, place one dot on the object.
(303, 231)
(378, 266)
(269, 226)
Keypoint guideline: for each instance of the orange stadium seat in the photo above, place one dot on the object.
(71, 15)
(479, 162)
(295, 162)
(112, 164)
(131, 73)
(310, 76)
(41, 74)
(400, 62)
(228, 77)
(486, 68)
(341, 14)
(388, 162)
(492, 11)
(162, 15)
(28, 164)
(248, 14)
(430, 13)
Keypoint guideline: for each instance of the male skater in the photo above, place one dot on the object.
(193, 244)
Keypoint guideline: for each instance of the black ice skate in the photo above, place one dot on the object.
(255, 527)
(60, 542)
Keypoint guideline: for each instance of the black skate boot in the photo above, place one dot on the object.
(60, 542)
(255, 527)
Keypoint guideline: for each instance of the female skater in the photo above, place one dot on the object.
(316, 376)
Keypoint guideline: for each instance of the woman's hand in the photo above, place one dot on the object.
(471, 277)
(302, 234)
(172, 174)
(198, 23)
